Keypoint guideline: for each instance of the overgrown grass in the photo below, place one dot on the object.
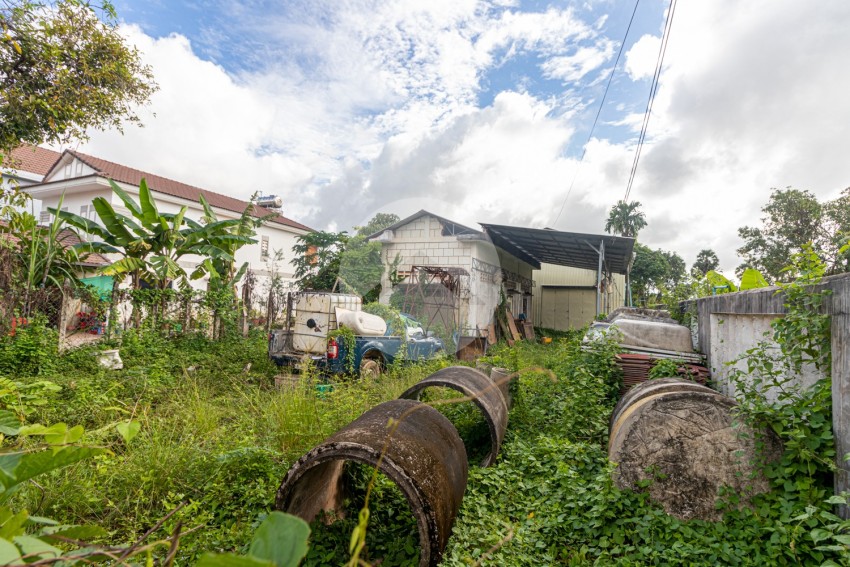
(217, 437)
(550, 500)
(393, 538)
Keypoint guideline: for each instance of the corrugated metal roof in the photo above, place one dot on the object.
(579, 250)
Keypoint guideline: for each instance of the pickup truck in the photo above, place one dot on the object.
(372, 354)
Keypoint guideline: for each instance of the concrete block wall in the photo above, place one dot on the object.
(723, 322)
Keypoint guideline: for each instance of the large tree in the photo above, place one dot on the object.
(625, 219)
(649, 272)
(793, 218)
(379, 222)
(65, 69)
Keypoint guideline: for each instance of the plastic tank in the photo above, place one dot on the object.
(315, 315)
(361, 323)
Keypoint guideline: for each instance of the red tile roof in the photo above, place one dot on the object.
(67, 238)
(32, 159)
(167, 186)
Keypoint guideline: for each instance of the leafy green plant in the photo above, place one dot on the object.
(280, 541)
(770, 394)
(32, 351)
(392, 536)
(665, 368)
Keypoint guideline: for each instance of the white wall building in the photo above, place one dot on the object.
(467, 255)
(81, 178)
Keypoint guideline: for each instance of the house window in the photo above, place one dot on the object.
(264, 248)
(44, 217)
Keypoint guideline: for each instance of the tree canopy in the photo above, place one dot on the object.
(63, 71)
(793, 218)
(379, 222)
(706, 261)
(625, 219)
(317, 259)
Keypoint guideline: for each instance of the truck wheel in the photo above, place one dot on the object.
(371, 368)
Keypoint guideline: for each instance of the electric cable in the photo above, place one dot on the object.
(653, 90)
(598, 112)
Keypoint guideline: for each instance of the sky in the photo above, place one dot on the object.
(480, 111)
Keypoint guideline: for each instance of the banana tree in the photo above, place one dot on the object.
(223, 269)
(149, 242)
(40, 256)
(134, 240)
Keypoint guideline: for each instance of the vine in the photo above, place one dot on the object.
(348, 339)
(770, 395)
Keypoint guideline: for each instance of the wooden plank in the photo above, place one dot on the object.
(491, 334)
(512, 326)
(528, 330)
(506, 332)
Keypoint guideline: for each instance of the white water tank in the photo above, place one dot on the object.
(361, 323)
(315, 315)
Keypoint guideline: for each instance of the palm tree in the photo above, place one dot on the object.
(625, 219)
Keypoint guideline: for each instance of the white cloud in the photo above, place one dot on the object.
(570, 68)
(366, 106)
(642, 58)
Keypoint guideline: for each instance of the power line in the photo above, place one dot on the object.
(598, 112)
(653, 90)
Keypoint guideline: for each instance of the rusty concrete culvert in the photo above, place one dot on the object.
(478, 386)
(651, 388)
(688, 442)
(424, 456)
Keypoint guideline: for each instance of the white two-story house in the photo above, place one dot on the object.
(82, 177)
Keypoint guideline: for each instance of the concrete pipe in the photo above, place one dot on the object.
(652, 387)
(484, 394)
(423, 456)
(688, 443)
(499, 376)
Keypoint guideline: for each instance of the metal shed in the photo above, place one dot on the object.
(607, 254)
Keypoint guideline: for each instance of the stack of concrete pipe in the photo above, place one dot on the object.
(686, 440)
(414, 445)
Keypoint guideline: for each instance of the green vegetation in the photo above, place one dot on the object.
(792, 219)
(392, 537)
(625, 219)
(342, 262)
(193, 437)
(214, 440)
(65, 69)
